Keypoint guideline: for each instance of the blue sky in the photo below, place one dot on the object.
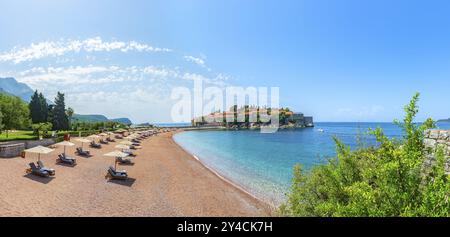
(344, 60)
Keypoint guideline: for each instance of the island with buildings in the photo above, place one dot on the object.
(251, 117)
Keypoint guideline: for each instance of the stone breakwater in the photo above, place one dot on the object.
(434, 140)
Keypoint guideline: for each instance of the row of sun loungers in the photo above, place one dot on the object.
(40, 169)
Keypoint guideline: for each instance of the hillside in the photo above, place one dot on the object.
(90, 118)
(122, 120)
(10, 86)
(99, 118)
(444, 120)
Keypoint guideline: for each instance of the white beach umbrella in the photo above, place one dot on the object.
(128, 143)
(116, 154)
(94, 136)
(64, 143)
(82, 140)
(103, 134)
(122, 146)
(39, 150)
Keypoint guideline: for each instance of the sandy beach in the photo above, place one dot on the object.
(164, 181)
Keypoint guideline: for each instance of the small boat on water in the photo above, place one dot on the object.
(320, 130)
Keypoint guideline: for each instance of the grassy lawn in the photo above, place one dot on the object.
(17, 135)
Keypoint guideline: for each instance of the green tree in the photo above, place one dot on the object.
(43, 108)
(1, 122)
(41, 127)
(38, 108)
(15, 112)
(60, 120)
(34, 107)
(388, 179)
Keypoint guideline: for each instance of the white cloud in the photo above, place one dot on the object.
(199, 61)
(59, 48)
(102, 83)
(195, 60)
(102, 75)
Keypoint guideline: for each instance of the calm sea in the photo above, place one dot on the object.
(262, 163)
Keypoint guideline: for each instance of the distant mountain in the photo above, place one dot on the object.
(10, 86)
(99, 118)
(90, 118)
(444, 120)
(126, 121)
(4, 92)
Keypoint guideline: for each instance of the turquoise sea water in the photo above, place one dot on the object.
(262, 163)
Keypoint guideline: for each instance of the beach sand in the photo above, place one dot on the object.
(164, 181)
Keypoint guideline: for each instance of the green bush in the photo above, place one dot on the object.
(384, 180)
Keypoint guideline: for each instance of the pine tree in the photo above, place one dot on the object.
(34, 107)
(60, 118)
(38, 108)
(43, 108)
(50, 113)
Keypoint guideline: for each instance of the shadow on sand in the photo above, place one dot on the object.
(127, 164)
(65, 164)
(128, 182)
(43, 180)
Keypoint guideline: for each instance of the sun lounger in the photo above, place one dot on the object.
(41, 166)
(67, 160)
(36, 171)
(82, 152)
(119, 137)
(129, 152)
(122, 160)
(95, 145)
(114, 174)
(110, 139)
(104, 141)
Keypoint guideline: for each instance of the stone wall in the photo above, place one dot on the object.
(11, 150)
(435, 139)
(15, 148)
(43, 142)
